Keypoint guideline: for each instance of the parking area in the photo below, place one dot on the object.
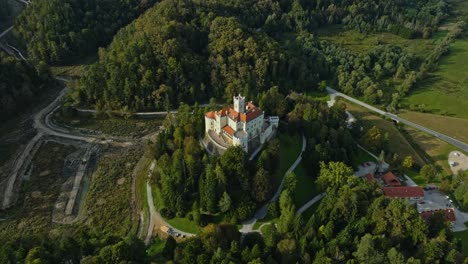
(457, 161)
(435, 200)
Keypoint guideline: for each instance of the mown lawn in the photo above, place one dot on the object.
(290, 147)
(306, 189)
(184, 224)
(416, 177)
(397, 142)
(446, 90)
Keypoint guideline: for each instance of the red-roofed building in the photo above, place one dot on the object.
(407, 192)
(449, 214)
(370, 177)
(241, 123)
(391, 180)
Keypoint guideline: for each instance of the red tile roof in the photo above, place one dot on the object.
(251, 113)
(223, 111)
(403, 192)
(210, 114)
(370, 177)
(228, 130)
(449, 214)
(391, 180)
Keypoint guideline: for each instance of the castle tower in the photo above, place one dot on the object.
(239, 104)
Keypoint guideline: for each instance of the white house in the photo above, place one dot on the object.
(241, 123)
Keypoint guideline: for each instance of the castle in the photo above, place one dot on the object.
(239, 125)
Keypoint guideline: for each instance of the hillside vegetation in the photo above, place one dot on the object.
(186, 51)
(57, 31)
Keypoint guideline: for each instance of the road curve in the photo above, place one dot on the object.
(455, 142)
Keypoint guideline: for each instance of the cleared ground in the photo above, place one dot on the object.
(450, 126)
(75, 69)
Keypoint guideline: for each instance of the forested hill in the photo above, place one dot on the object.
(59, 30)
(187, 51)
(20, 84)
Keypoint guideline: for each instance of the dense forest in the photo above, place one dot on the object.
(20, 84)
(187, 51)
(57, 31)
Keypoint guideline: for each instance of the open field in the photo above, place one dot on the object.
(450, 126)
(361, 43)
(360, 158)
(463, 236)
(398, 143)
(446, 90)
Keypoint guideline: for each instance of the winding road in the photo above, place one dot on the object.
(455, 142)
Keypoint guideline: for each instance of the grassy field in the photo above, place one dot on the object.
(435, 148)
(184, 224)
(359, 42)
(306, 188)
(290, 147)
(398, 143)
(450, 126)
(115, 126)
(446, 90)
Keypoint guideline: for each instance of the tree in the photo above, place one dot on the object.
(408, 162)
(288, 212)
(373, 138)
(262, 185)
(333, 175)
(395, 257)
(429, 172)
(225, 203)
(366, 252)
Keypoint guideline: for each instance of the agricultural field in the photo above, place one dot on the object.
(450, 126)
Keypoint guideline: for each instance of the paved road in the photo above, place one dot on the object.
(455, 142)
(247, 226)
(6, 31)
(310, 203)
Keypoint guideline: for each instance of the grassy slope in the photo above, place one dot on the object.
(290, 147)
(398, 143)
(450, 126)
(76, 69)
(306, 188)
(463, 236)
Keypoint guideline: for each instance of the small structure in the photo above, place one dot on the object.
(406, 192)
(370, 177)
(239, 125)
(391, 180)
(449, 214)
